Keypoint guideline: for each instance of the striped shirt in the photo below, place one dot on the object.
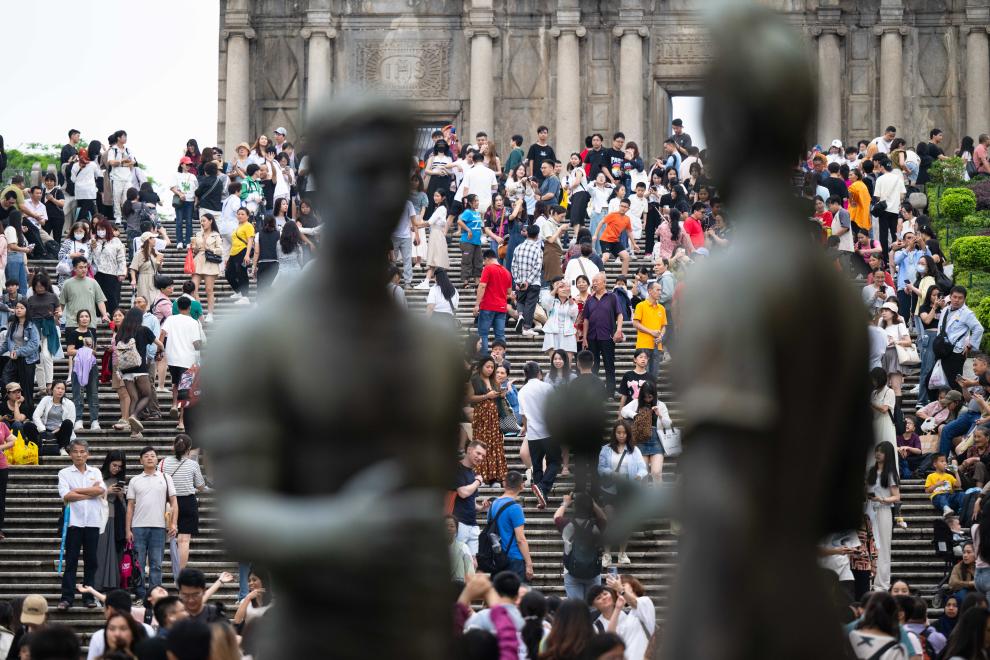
(186, 475)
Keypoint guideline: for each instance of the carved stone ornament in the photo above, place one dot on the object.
(408, 69)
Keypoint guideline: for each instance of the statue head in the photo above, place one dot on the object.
(761, 96)
(361, 149)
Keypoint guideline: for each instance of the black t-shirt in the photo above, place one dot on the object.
(210, 193)
(925, 308)
(142, 339)
(836, 188)
(537, 155)
(597, 160)
(76, 338)
(6, 412)
(55, 214)
(615, 159)
(631, 382)
(149, 197)
(68, 151)
(464, 508)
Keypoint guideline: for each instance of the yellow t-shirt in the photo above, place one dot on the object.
(239, 239)
(947, 482)
(652, 317)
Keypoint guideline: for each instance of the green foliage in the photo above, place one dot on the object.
(947, 172)
(978, 220)
(982, 312)
(20, 161)
(971, 253)
(957, 203)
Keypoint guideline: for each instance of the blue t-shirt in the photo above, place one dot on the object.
(507, 523)
(472, 219)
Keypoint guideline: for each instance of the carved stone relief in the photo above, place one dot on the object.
(407, 69)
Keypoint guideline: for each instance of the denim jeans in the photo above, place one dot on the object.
(653, 367)
(402, 247)
(92, 394)
(243, 572)
(953, 500)
(578, 587)
(184, 223)
(17, 270)
(982, 580)
(959, 426)
(486, 321)
(518, 566)
(149, 542)
(596, 219)
(925, 340)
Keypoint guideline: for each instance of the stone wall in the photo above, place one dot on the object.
(581, 66)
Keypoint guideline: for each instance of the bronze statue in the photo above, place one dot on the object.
(331, 421)
(771, 369)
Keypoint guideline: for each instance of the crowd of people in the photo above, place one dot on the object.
(535, 235)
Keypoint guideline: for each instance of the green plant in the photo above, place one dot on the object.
(971, 253)
(983, 316)
(957, 203)
(978, 220)
(22, 161)
(947, 172)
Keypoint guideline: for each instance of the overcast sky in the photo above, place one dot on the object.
(146, 66)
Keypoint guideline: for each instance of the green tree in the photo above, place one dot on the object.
(21, 160)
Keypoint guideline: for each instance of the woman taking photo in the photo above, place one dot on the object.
(112, 537)
(496, 224)
(481, 393)
(55, 418)
(17, 251)
(109, 258)
(84, 375)
(144, 266)
(116, 382)
(437, 255)
(442, 300)
(188, 478)
(576, 183)
(41, 308)
(76, 244)
(184, 192)
(131, 343)
(926, 326)
(559, 331)
(23, 342)
(883, 491)
(583, 285)
(207, 247)
(438, 167)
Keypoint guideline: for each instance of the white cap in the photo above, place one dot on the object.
(281, 131)
(837, 143)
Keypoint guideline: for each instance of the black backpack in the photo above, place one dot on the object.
(492, 557)
(584, 561)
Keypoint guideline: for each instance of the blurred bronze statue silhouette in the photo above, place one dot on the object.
(331, 419)
(772, 371)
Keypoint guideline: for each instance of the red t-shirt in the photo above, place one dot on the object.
(498, 281)
(694, 230)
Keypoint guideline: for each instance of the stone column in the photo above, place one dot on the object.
(237, 115)
(568, 127)
(482, 86)
(631, 81)
(319, 70)
(977, 81)
(891, 76)
(829, 84)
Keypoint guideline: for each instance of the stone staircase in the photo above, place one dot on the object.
(29, 556)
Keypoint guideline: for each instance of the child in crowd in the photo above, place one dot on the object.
(943, 488)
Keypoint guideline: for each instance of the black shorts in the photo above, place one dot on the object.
(176, 374)
(456, 208)
(613, 248)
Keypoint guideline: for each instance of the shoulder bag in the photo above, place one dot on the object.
(941, 346)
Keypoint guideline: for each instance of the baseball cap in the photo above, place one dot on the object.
(185, 160)
(13, 387)
(34, 610)
(280, 130)
(145, 236)
(837, 143)
(953, 395)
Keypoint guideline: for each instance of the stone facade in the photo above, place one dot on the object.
(580, 66)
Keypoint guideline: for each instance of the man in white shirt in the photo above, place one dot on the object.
(582, 265)
(638, 204)
(480, 181)
(146, 496)
(80, 487)
(122, 162)
(881, 144)
(533, 397)
(185, 336)
(37, 207)
(889, 188)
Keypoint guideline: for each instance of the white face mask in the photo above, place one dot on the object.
(79, 235)
(102, 233)
(921, 268)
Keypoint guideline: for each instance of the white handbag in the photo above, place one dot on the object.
(937, 380)
(907, 356)
(671, 441)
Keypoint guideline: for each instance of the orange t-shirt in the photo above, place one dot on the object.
(615, 224)
(859, 204)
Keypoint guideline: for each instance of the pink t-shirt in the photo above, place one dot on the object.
(4, 433)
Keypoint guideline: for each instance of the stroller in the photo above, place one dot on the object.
(948, 547)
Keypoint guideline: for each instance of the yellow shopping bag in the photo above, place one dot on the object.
(22, 453)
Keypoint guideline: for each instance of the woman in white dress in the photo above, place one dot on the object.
(883, 402)
(436, 249)
(883, 491)
(559, 331)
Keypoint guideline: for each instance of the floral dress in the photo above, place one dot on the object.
(485, 428)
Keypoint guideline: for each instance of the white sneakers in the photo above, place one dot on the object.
(624, 558)
(78, 425)
(95, 426)
(208, 318)
(235, 296)
(242, 301)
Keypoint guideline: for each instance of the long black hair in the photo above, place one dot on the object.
(16, 220)
(533, 608)
(291, 237)
(675, 225)
(966, 640)
(645, 389)
(93, 150)
(881, 613)
(131, 324)
(965, 146)
(266, 580)
(890, 474)
(447, 289)
(114, 455)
